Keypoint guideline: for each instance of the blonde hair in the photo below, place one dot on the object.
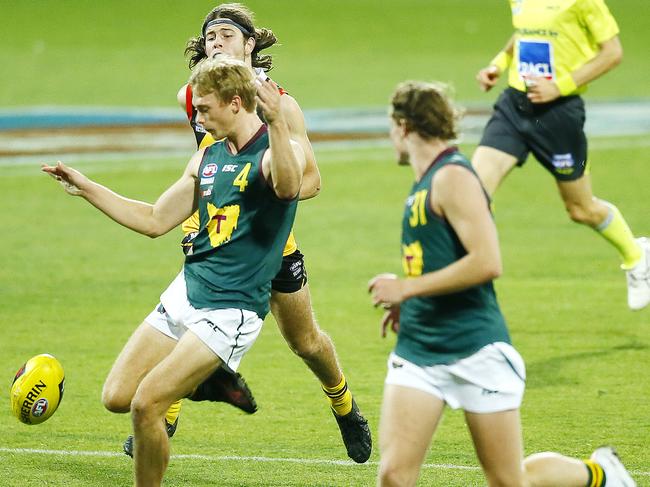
(426, 108)
(226, 78)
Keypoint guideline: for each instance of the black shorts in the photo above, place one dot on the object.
(553, 132)
(292, 276)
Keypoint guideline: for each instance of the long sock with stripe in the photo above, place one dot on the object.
(340, 397)
(596, 474)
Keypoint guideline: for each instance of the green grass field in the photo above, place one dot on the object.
(335, 53)
(75, 284)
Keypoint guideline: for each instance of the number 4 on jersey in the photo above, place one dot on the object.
(242, 178)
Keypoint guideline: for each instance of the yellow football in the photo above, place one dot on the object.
(37, 389)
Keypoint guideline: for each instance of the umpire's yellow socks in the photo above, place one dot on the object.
(617, 232)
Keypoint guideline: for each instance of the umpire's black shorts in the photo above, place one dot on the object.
(553, 132)
(292, 276)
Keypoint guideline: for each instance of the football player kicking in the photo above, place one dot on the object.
(213, 311)
(228, 30)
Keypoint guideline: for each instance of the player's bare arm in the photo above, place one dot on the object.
(489, 76)
(311, 182)
(172, 207)
(284, 162)
(467, 212)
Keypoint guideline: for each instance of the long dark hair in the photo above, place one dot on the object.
(264, 38)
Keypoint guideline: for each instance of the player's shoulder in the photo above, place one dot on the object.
(196, 160)
(290, 106)
(454, 169)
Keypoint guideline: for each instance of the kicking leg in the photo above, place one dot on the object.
(188, 364)
(143, 351)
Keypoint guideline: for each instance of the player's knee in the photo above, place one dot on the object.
(393, 475)
(144, 411)
(115, 399)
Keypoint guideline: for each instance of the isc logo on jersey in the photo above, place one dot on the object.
(37, 389)
(535, 59)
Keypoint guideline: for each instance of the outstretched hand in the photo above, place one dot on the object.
(72, 180)
(268, 99)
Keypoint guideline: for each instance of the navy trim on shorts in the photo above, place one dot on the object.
(237, 337)
(512, 366)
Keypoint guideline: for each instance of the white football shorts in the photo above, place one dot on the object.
(491, 380)
(229, 333)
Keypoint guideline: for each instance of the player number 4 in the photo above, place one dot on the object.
(242, 178)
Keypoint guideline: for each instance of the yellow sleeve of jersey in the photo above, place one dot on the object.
(599, 21)
(191, 224)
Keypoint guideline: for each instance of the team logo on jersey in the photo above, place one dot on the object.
(209, 170)
(412, 259)
(536, 59)
(206, 193)
(229, 168)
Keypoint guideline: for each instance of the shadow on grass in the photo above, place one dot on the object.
(548, 372)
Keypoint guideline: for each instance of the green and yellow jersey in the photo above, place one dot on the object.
(204, 139)
(441, 329)
(555, 37)
(243, 227)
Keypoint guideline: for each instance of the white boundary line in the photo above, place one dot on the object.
(237, 458)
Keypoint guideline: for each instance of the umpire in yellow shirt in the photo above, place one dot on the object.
(558, 46)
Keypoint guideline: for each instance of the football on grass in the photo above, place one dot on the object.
(37, 389)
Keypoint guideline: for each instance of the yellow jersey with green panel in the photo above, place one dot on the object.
(190, 226)
(555, 37)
